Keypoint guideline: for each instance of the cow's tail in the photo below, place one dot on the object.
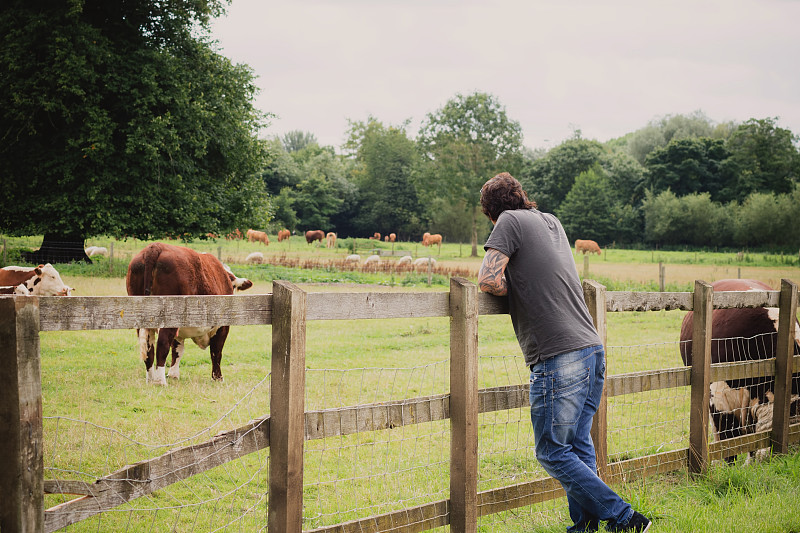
(150, 257)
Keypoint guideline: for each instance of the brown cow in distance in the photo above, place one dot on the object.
(284, 234)
(429, 239)
(586, 247)
(315, 235)
(163, 269)
(257, 236)
(330, 240)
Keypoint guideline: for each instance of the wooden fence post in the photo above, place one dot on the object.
(595, 296)
(661, 275)
(21, 433)
(111, 259)
(463, 406)
(701, 370)
(585, 265)
(784, 359)
(287, 404)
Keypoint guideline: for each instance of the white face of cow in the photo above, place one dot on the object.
(47, 282)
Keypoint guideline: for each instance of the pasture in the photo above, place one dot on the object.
(101, 415)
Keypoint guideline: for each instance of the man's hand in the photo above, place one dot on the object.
(490, 276)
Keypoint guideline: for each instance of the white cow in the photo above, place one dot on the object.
(423, 261)
(255, 257)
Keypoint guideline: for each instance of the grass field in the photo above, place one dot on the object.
(102, 416)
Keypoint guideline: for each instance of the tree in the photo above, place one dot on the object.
(587, 211)
(548, 179)
(763, 158)
(467, 141)
(688, 166)
(323, 190)
(296, 140)
(386, 162)
(661, 131)
(280, 169)
(121, 119)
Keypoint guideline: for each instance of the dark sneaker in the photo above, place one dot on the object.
(638, 523)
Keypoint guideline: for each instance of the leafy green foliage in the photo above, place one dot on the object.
(386, 162)
(690, 165)
(586, 212)
(763, 158)
(548, 180)
(118, 120)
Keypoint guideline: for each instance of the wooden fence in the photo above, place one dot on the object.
(288, 425)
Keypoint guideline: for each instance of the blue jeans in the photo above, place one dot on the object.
(565, 392)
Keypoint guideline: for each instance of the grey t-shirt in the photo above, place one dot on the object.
(545, 297)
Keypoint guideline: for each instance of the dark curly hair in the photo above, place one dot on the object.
(503, 192)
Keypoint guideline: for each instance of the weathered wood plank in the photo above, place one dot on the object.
(784, 355)
(463, 405)
(67, 486)
(21, 432)
(375, 417)
(742, 299)
(518, 495)
(145, 477)
(744, 369)
(503, 398)
(701, 370)
(648, 380)
(489, 304)
(368, 305)
(287, 401)
(647, 301)
(657, 301)
(595, 296)
(731, 447)
(129, 312)
(411, 520)
(649, 465)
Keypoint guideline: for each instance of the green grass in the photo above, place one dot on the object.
(93, 382)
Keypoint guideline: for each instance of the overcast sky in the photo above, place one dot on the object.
(606, 67)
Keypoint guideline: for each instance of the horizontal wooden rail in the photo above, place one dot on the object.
(657, 301)
(129, 312)
(145, 477)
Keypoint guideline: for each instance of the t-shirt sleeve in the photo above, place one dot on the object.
(505, 235)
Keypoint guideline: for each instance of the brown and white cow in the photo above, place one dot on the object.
(43, 280)
(586, 246)
(314, 235)
(738, 335)
(330, 240)
(163, 269)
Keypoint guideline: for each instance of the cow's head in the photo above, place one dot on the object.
(46, 282)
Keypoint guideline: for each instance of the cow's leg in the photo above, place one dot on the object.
(147, 342)
(216, 344)
(165, 338)
(177, 352)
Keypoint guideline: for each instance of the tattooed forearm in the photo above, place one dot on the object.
(490, 277)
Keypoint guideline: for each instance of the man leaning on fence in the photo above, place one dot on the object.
(529, 258)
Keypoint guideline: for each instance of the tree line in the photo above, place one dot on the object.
(123, 119)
